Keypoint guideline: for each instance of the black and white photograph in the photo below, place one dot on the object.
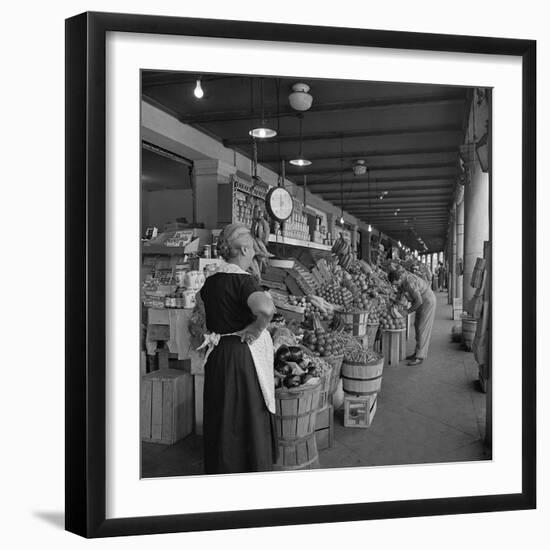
(315, 284)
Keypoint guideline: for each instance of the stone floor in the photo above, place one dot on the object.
(430, 413)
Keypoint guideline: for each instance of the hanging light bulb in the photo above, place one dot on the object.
(341, 220)
(262, 131)
(399, 243)
(198, 91)
(370, 228)
(301, 160)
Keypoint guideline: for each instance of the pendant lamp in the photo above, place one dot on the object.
(262, 131)
(300, 161)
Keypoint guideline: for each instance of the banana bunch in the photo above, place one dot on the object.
(259, 227)
(261, 255)
(342, 249)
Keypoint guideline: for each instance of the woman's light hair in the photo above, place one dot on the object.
(232, 238)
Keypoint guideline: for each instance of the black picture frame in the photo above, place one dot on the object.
(86, 285)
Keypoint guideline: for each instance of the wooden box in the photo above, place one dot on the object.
(359, 411)
(324, 428)
(166, 406)
(394, 345)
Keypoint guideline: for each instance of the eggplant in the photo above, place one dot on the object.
(292, 381)
(296, 370)
(296, 354)
(284, 368)
(283, 354)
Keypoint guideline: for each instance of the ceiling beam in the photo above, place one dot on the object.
(368, 154)
(400, 204)
(153, 79)
(321, 136)
(375, 168)
(374, 198)
(403, 214)
(369, 185)
(271, 112)
(437, 226)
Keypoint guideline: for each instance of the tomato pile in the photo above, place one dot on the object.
(322, 342)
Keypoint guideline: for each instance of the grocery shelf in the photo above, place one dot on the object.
(162, 249)
(298, 242)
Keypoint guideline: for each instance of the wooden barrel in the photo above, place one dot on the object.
(356, 323)
(295, 417)
(469, 326)
(362, 378)
(372, 331)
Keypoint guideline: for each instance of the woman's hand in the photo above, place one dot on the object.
(249, 334)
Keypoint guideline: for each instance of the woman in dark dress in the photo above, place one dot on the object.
(237, 425)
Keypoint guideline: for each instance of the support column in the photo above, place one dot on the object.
(476, 226)
(209, 174)
(452, 259)
(459, 245)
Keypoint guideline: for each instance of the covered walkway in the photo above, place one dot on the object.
(434, 412)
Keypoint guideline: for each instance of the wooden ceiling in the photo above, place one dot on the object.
(408, 134)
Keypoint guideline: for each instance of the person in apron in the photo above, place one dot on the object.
(423, 302)
(239, 392)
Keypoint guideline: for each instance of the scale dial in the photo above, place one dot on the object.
(279, 204)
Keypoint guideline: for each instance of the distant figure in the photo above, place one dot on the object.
(441, 277)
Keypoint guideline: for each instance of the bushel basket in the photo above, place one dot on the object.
(295, 417)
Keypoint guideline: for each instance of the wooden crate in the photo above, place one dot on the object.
(359, 411)
(394, 345)
(166, 406)
(324, 428)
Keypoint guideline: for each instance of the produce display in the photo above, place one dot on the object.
(293, 368)
(391, 319)
(356, 353)
(342, 249)
(336, 294)
(323, 343)
(314, 305)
